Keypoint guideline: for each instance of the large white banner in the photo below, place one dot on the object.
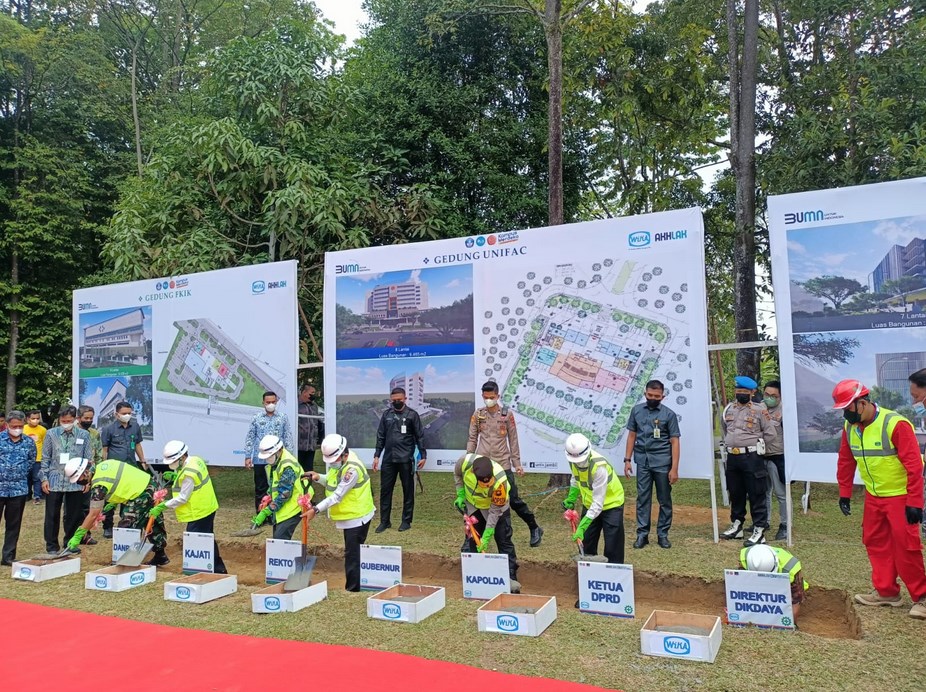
(570, 322)
(192, 354)
(848, 268)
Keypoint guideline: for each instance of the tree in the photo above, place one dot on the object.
(458, 316)
(904, 286)
(836, 289)
(830, 423)
(887, 398)
(867, 302)
(824, 349)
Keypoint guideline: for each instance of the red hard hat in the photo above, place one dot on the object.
(847, 391)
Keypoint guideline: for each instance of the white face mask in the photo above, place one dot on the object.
(174, 465)
(67, 427)
(491, 402)
(125, 417)
(270, 408)
(15, 432)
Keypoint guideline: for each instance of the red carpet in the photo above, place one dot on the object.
(49, 648)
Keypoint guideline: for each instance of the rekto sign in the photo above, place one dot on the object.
(281, 559)
(606, 589)
(484, 575)
(198, 552)
(758, 598)
(380, 566)
(123, 539)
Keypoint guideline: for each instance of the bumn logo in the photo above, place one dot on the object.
(392, 611)
(137, 578)
(346, 268)
(258, 287)
(677, 646)
(272, 603)
(803, 217)
(506, 623)
(100, 582)
(639, 239)
(183, 593)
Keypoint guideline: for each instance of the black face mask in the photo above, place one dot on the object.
(398, 405)
(852, 417)
(310, 398)
(652, 404)
(742, 398)
(86, 424)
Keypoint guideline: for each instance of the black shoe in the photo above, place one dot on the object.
(577, 604)
(404, 526)
(107, 533)
(536, 536)
(89, 540)
(159, 560)
(641, 542)
(4, 563)
(663, 542)
(782, 534)
(383, 527)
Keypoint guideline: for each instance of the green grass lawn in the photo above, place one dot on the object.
(585, 648)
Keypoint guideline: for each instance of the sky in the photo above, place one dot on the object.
(445, 285)
(862, 365)
(347, 16)
(90, 318)
(446, 374)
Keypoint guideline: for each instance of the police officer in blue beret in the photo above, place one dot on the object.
(746, 429)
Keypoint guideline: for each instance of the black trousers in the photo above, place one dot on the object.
(611, 523)
(284, 530)
(518, 505)
(747, 478)
(353, 539)
(11, 509)
(646, 479)
(207, 525)
(261, 484)
(503, 540)
(406, 472)
(307, 459)
(72, 503)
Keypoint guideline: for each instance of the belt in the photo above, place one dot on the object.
(740, 450)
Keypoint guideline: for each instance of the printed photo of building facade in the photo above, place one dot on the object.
(397, 300)
(120, 339)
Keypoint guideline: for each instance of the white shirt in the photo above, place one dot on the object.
(599, 490)
(348, 481)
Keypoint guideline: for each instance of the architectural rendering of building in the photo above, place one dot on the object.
(393, 301)
(894, 369)
(899, 262)
(414, 390)
(119, 339)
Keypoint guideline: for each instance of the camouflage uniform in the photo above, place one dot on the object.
(135, 516)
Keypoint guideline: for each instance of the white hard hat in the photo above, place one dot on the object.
(74, 467)
(333, 447)
(578, 448)
(269, 445)
(761, 558)
(173, 450)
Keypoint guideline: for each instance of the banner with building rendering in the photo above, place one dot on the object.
(849, 268)
(191, 354)
(570, 322)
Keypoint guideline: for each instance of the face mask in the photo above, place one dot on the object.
(652, 404)
(310, 397)
(397, 405)
(490, 403)
(67, 427)
(270, 408)
(125, 417)
(174, 465)
(770, 401)
(86, 424)
(919, 408)
(742, 398)
(15, 432)
(852, 417)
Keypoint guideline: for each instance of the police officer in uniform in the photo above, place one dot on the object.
(746, 428)
(492, 433)
(192, 494)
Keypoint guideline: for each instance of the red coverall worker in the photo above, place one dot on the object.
(881, 444)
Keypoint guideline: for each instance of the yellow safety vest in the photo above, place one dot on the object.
(291, 507)
(481, 497)
(878, 464)
(787, 563)
(614, 496)
(123, 482)
(358, 502)
(202, 502)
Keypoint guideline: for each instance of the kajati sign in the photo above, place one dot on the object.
(198, 552)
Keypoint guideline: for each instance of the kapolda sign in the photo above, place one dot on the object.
(485, 575)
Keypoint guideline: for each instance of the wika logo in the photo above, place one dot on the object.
(506, 623)
(137, 578)
(272, 603)
(100, 582)
(677, 646)
(392, 611)
(258, 287)
(639, 239)
(25, 573)
(803, 217)
(183, 593)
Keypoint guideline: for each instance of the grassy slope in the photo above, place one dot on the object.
(584, 648)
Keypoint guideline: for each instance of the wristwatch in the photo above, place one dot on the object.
(627, 460)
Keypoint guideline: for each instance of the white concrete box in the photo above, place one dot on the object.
(519, 614)
(43, 570)
(406, 603)
(273, 599)
(119, 578)
(200, 588)
(681, 635)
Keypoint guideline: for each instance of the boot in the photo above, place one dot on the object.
(782, 534)
(918, 610)
(160, 558)
(757, 537)
(536, 536)
(515, 586)
(735, 531)
(876, 599)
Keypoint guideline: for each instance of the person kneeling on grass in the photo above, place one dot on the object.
(766, 558)
(115, 482)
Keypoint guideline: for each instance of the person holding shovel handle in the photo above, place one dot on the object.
(483, 493)
(282, 503)
(115, 482)
(349, 502)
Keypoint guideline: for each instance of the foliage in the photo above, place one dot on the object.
(830, 423)
(451, 318)
(836, 289)
(824, 349)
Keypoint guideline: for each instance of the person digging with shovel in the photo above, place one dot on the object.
(115, 482)
(283, 469)
(483, 493)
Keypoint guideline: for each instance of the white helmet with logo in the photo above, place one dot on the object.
(269, 446)
(173, 452)
(578, 449)
(761, 558)
(333, 447)
(74, 467)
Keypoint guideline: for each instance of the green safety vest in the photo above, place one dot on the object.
(123, 482)
(878, 464)
(787, 563)
(478, 496)
(291, 507)
(358, 502)
(614, 496)
(202, 502)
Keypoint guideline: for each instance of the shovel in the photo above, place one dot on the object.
(255, 529)
(572, 517)
(305, 563)
(133, 556)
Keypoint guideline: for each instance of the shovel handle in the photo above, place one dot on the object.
(305, 532)
(148, 527)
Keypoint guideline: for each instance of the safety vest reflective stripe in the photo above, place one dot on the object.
(790, 564)
(886, 447)
(203, 501)
(358, 502)
(478, 496)
(614, 495)
(786, 563)
(290, 507)
(875, 455)
(122, 481)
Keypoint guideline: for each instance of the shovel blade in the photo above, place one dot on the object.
(133, 556)
(253, 531)
(301, 577)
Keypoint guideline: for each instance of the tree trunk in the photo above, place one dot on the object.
(14, 332)
(135, 120)
(553, 29)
